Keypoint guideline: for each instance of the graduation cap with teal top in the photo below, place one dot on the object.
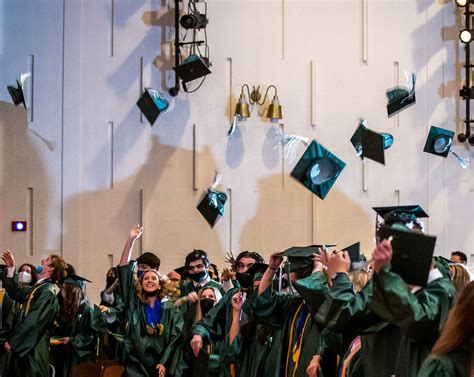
(370, 144)
(301, 256)
(76, 280)
(17, 94)
(400, 97)
(318, 169)
(152, 103)
(439, 143)
(212, 206)
(412, 253)
(408, 215)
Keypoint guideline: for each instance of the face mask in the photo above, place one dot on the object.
(110, 281)
(24, 277)
(39, 269)
(245, 280)
(206, 305)
(200, 276)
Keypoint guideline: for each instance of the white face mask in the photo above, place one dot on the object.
(24, 277)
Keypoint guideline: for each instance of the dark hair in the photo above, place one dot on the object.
(150, 260)
(214, 273)
(34, 272)
(397, 217)
(197, 254)
(249, 254)
(73, 296)
(460, 254)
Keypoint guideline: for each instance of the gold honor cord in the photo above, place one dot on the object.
(30, 298)
(296, 351)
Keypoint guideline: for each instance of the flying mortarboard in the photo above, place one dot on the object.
(371, 144)
(212, 206)
(439, 143)
(415, 210)
(152, 104)
(17, 94)
(412, 254)
(318, 169)
(192, 68)
(401, 97)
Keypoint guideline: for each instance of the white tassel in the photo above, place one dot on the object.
(217, 181)
(464, 162)
(23, 78)
(290, 143)
(411, 81)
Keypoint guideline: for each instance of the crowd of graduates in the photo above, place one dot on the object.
(313, 314)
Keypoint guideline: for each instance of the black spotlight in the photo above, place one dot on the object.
(194, 21)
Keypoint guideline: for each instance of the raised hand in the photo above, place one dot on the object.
(339, 261)
(227, 275)
(382, 255)
(161, 370)
(9, 258)
(136, 232)
(275, 260)
(237, 301)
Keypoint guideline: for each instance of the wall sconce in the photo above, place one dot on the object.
(242, 111)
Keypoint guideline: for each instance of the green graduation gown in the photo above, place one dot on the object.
(145, 351)
(300, 332)
(30, 339)
(347, 312)
(453, 364)
(8, 308)
(420, 316)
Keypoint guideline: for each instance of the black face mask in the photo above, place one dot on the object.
(110, 280)
(199, 276)
(245, 280)
(206, 305)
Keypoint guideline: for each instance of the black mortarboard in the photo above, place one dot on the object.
(401, 97)
(182, 271)
(412, 254)
(192, 68)
(152, 103)
(257, 270)
(201, 364)
(76, 280)
(371, 144)
(212, 206)
(354, 255)
(318, 169)
(415, 210)
(302, 256)
(17, 94)
(439, 141)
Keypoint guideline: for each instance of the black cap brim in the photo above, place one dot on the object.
(17, 94)
(371, 144)
(412, 209)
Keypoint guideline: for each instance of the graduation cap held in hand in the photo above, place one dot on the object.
(152, 104)
(318, 169)
(401, 97)
(212, 206)
(412, 254)
(439, 143)
(302, 256)
(370, 144)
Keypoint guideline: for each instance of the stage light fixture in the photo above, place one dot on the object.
(194, 21)
(19, 226)
(462, 3)
(465, 36)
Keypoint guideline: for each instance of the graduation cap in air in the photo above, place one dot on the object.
(152, 104)
(318, 169)
(412, 254)
(302, 256)
(257, 270)
(400, 97)
(370, 144)
(439, 143)
(17, 94)
(192, 68)
(212, 206)
(76, 280)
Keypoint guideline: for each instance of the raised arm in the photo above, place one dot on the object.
(135, 233)
(267, 280)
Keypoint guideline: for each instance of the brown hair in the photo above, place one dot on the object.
(458, 331)
(167, 288)
(73, 296)
(460, 277)
(198, 315)
(59, 268)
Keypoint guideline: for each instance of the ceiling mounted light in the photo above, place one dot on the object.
(194, 21)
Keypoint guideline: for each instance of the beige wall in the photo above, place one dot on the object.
(82, 167)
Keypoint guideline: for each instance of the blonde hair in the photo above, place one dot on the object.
(198, 316)
(167, 288)
(359, 279)
(460, 277)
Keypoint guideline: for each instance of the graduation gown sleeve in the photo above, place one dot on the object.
(454, 364)
(313, 289)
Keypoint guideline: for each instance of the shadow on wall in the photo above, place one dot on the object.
(285, 218)
(22, 168)
(161, 193)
